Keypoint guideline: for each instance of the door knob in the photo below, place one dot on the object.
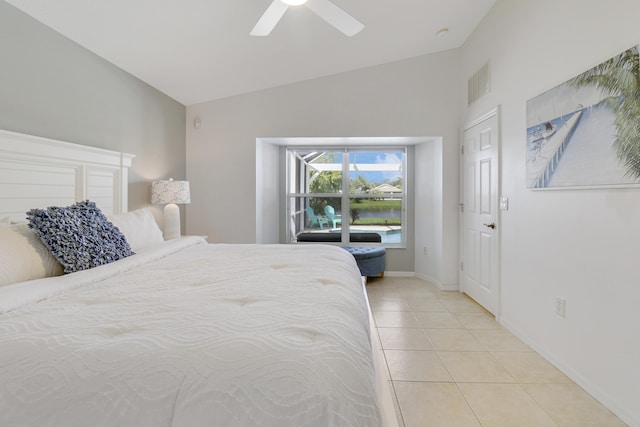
(491, 226)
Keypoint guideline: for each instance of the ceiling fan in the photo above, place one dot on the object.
(323, 8)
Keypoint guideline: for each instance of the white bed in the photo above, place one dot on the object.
(183, 333)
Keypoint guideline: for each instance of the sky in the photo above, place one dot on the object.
(374, 166)
(381, 158)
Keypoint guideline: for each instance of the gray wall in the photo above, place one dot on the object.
(416, 97)
(52, 87)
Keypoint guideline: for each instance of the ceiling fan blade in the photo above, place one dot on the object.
(335, 16)
(269, 18)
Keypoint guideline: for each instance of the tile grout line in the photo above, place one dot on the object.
(386, 364)
(490, 344)
(451, 375)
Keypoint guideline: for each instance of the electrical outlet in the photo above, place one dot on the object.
(424, 250)
(561, 307)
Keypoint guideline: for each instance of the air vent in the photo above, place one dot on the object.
(479, 84)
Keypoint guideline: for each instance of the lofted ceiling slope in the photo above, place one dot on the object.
(200, 50)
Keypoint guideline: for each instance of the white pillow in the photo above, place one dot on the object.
(139, 228)
(23, 256)
(5, 222)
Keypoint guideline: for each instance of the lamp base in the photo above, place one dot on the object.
(171, 221)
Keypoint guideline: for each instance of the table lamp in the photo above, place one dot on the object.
(170, 193)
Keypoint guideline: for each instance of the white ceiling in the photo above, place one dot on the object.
(200, 50)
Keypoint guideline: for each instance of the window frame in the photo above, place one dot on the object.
(345, 196)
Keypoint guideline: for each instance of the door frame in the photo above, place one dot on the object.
(498, 232)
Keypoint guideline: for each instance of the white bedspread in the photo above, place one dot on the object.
(215, 335)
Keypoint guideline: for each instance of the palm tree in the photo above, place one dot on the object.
(619, 79)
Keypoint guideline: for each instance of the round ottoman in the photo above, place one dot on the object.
(370, 260)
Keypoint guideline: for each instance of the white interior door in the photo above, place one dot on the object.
(479, 263)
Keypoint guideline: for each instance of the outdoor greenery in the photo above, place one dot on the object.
(355, 215)
(378, 221)
(619, 79)
(365, 204)
(326, 183)
(360, 184)
(331, 182)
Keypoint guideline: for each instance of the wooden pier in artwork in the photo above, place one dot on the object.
(543, 163)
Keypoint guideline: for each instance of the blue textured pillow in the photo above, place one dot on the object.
(79, 236)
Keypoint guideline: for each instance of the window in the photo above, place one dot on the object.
(346, 195)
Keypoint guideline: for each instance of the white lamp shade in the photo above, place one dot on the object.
(164, 192)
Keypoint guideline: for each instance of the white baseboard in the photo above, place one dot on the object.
(424, 277)
(399, 274)
(588, 386)
(438, 284)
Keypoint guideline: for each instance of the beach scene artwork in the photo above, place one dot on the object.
(585, 132)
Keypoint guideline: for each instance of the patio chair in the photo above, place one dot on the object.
(315, 219)
(331, 216)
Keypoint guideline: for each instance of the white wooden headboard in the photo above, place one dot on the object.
(39, 172)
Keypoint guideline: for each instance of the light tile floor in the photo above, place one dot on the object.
(451, 364)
